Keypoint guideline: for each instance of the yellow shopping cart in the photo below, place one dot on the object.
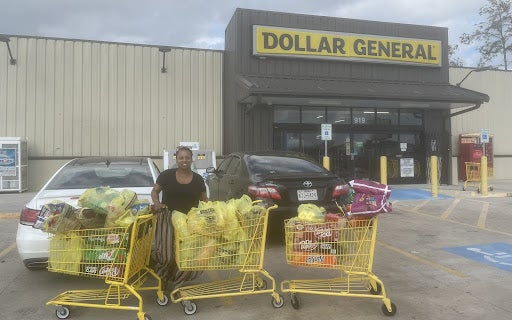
(119, 255)
(241, 248)
(346, 245)
(473, 176)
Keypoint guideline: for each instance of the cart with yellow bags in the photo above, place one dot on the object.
(120, 255)
(238, 246)
(347, 245)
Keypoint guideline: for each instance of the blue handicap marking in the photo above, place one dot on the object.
(498, 254)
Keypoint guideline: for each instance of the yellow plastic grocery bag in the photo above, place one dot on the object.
(65, 254)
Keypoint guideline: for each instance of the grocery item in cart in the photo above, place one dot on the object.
(61, 257)
(370, 198)
(215, 233)
(352, 256)
(106, 200)
(50, 209)
(90, 219)
(61, 218)
(115, 219)
(311, 212)
(241, 248)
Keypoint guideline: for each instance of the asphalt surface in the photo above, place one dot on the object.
(448, 257)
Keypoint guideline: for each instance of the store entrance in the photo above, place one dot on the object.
(357, 155)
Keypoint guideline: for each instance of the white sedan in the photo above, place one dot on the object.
(68, 183)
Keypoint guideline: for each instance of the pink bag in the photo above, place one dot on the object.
(370, 187)
(370, 199)
(370, 204)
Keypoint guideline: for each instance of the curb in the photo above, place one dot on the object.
(498, 195)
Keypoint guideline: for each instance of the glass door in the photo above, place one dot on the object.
(301, 140)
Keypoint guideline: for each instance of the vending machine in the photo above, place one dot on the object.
(13, 164)
(201, 159)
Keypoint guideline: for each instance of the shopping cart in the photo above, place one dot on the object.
(343, 244)
(240, 248)
(119, 255)
(473, 176)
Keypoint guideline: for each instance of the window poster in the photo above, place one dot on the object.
(7, 162)
(406, 167)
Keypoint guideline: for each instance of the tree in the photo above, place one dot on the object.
(494, 34)
(454, 61)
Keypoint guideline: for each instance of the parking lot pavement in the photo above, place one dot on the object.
(439, 258)
(13, 202)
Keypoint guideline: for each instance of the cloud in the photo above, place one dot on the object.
(201, 23)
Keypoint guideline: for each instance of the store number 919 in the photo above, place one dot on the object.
(359, 120)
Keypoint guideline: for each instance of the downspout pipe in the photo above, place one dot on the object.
(464, 111)
(450, 180)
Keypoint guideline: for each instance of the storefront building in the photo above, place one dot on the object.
(383, 87)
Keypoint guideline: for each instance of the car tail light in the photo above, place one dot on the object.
(28, 216)
(340, 190)
(264, 192)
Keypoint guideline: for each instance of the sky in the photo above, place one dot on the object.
(201, 23)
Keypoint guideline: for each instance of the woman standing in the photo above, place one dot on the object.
(182, 189)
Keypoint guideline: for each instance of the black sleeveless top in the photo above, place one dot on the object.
(177, 196)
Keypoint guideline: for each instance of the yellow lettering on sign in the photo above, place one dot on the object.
(276, 41)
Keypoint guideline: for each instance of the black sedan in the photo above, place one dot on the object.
(285, 178)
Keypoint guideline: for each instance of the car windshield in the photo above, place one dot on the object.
(114, 176)
(275, 164)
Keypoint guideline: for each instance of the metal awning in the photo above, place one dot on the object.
(355, 93)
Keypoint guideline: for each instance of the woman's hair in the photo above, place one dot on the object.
(183, 148)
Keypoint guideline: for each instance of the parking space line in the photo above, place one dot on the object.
(449, 211)
(454, 221)
(8, 249)
(9, 216)
(421, 204)
(483, 215)
(423, 260)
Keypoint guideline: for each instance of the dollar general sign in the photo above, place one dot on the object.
(276, 41)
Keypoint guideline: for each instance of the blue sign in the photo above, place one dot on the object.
(7, 162)
(484, 136)
(7, 157)
(497, 254)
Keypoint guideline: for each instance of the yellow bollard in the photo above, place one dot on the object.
(326, 163)
(433, 176)
(483, 175)
(383, 170)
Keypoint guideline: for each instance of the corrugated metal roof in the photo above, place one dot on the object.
(359, 89)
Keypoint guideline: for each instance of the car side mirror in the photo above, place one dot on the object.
(211, 170)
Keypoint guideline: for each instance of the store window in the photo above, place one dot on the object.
(387, 117)
(313, 115)
(363, 117)
(411, 117)
(287, 115)
(338, 116)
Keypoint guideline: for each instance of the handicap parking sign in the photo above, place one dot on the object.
(484, 136)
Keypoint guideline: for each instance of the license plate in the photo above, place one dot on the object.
(307, 195)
